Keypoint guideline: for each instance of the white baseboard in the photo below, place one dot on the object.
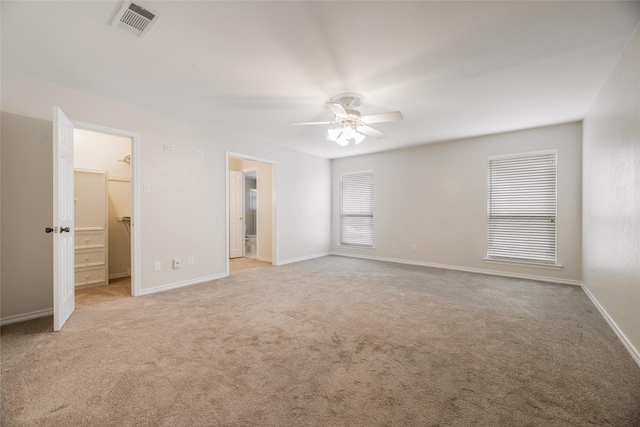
(635, 354)
(26, 316)
(119, 275)
(49, 311)
(182, 284)
(302, 258)
(465, 269)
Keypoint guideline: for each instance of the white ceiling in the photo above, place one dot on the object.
(454, 69)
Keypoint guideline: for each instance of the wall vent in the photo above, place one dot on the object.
(135, 19)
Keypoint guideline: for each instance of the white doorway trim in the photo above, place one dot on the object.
(274, 207)
(135, 196)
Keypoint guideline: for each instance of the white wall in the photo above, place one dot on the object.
(100, 151)
(184, 214)
(27, 208)
(611, 198)
(435, 196)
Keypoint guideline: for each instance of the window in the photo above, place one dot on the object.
(521, 223)
(356, 210)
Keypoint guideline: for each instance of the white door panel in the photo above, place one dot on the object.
(63, 246)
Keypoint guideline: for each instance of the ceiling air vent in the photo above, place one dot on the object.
(135, 19)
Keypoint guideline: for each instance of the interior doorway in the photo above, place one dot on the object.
(63, 229)
(250, 212)
(105, 250)
(102, 204)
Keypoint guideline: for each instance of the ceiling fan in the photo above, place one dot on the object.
(349, 124)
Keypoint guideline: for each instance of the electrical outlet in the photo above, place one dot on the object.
(190, 260)
(157, 266)
(146, 188)
(176, 263)
(168, 147)
(414, 247)
(199, 153)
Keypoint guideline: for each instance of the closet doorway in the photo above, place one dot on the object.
(250, 212)
(103, 212)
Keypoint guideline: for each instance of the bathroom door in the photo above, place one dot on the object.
(236, 224)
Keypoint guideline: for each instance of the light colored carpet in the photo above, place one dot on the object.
(239, 264)
(116, 289)
(327, 342)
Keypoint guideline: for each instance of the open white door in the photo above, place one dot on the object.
(236, 225)
(63, 247)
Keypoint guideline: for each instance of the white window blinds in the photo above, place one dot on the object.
(521, 223)
(356, 210)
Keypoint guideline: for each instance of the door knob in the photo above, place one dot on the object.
(63, 229)
(48, 230)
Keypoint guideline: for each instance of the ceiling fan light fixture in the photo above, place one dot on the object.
(349, 124)
(351, 134)
(344, 135)
(342, 141)
(333, 134)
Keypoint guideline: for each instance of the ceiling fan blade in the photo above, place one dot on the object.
(370, 131)
(312, 123)
(338, 110)
(384, 117)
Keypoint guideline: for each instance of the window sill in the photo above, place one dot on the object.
(362, 248)
(523, 264)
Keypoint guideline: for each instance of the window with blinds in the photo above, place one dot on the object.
(356, 210)
(521, 223)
